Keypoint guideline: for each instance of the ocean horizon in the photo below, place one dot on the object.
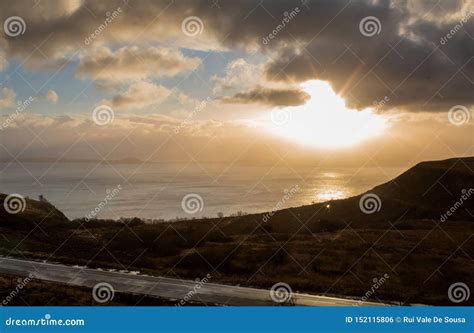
(156, 191)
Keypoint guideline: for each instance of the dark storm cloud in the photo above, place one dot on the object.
(407, 61)
(416, 69)
(133, 63)
(270, 97)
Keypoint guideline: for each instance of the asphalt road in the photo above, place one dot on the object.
(173, 289)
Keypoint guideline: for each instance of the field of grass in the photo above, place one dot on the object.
(420, 258)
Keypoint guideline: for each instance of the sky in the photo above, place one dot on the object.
(337, 82)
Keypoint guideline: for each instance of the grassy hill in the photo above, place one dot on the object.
(30, 211)
(430, 188)
(423, 192)
(331, 248)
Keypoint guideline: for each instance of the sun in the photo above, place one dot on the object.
(325, 121)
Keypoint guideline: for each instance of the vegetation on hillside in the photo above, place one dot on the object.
(329, 248)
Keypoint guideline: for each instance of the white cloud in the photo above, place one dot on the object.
(7, 98)
(238, 75)
(134, 63)
(141, 94)
(52, 96)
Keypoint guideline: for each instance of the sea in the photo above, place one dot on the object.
(168, 191)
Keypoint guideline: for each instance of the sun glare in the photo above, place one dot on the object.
(325, 121)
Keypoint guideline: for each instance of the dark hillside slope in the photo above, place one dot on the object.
(424, 192)
(431, 188)
(33, 212)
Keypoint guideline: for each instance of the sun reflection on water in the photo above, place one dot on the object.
(330, 194)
